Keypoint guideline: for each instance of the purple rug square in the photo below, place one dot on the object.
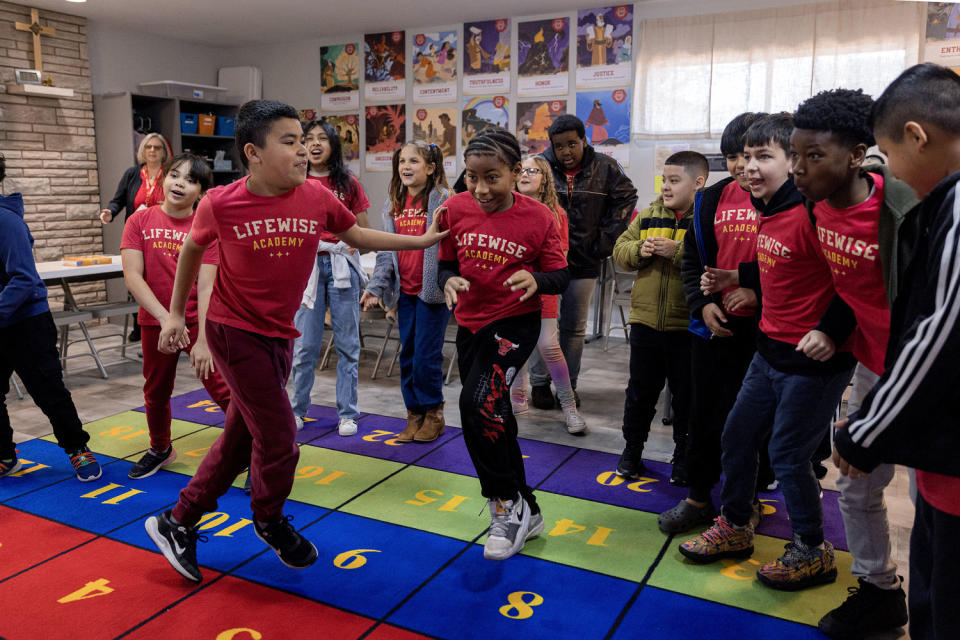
(777, 524)
(195, 406)
(376, 437)
(540, 459)
(320, 420)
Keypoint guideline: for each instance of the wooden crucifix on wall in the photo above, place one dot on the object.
(37, 30)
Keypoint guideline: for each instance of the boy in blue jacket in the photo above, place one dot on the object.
(28, 345)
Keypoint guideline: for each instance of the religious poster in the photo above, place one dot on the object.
(386, 132)
(943, 34)
(340, 77)
(307, 115)
(384, 66)
(543, 57)
(481, 113)
(435, 67)
(533, 122)
(438, 126)
(604, 46)
(486, 65)
(606, 118)
(348, 128)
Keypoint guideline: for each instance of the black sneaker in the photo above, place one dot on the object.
(293, 549)
(630, 464)
(177, 543)
(151, 462)
(247, 486)
(134, 335)
(678, 475)
(819, 470)
(868, 609)
(541, 397)
(10, 466)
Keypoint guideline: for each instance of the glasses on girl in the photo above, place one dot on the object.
(530, 171)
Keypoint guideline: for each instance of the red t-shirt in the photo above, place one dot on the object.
(549, 304)
(267, 249)
(735, 228)
(571, 174)
(849, 239)
(794, 276)
(491, 247)
(160, 238)
(943, 492)
(411, 221)
(355, 201)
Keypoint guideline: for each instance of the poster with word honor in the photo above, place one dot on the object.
(483, 113)
(606, 118)
(348, 128)
(438, 126)
(533, 122)
(384, 66)
(340, 77)
(386, 132)
(543, 57)
(486, 62)
(943, 34)
(604, 46)
(434, 67)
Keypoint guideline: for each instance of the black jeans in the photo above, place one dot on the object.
(29, 347)
(934, 574)
(488, 361)
(655, 357)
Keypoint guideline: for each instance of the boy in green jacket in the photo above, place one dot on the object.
(659, 341)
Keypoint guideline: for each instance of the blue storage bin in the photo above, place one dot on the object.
(224, 126)
(188, 123)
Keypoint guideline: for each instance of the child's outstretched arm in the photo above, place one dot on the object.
(450, 280)
(173, 331)
(361, 238)
(133, 277)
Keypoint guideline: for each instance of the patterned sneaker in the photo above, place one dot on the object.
(293, 549)
(86, 465)
(177, 543)
(869, 609)
(721, 540)
(151, 462)
(10, 466)
(536, 525)
(509, 526)
(347, 427)
(800, 567)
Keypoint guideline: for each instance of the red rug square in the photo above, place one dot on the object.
(26, 540)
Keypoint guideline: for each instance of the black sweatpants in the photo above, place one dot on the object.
(934, 574)
(29, 347)
(488, 361)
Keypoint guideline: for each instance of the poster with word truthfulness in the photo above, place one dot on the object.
(384, 69)
(486, 65)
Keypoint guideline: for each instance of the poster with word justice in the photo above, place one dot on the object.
(943, 34)
(438, 126)
(434, 67)
(481, 113)
(340, 77)
(486, 62)
(533, 122)
(543, 57)
(606, 118)
(384, 66)
(348, 128)
(386, 132)
(604, 46)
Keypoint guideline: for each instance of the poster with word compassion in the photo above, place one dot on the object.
(340, 77)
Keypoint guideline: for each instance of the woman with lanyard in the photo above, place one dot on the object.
(140, 187)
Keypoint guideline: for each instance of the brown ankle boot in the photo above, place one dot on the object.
(414, 422)
(432, 425)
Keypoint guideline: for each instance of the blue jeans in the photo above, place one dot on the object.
(345, 317)
(800, 408)
(422, 329)
(572, 322)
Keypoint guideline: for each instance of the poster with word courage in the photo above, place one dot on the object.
(386, 132)
(438, 126)
(606, 118)
(943, 34)
(533, 122)
(340, 77)
(486, 62)
(604, 46)
(543, 57)
(481, 113)
(384, 66)
(434, 67)
(348, 127)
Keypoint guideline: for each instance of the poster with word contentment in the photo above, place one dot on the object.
(435, 60)
(943, 34)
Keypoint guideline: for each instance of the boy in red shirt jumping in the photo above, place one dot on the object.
(267, 226)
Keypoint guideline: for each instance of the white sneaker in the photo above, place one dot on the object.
(536, 525)
(520, 406)
(299, 420)
(509, 526)
(347, 426)
(575, 423)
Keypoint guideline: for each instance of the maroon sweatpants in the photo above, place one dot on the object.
(259, 432)
(159, 373)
